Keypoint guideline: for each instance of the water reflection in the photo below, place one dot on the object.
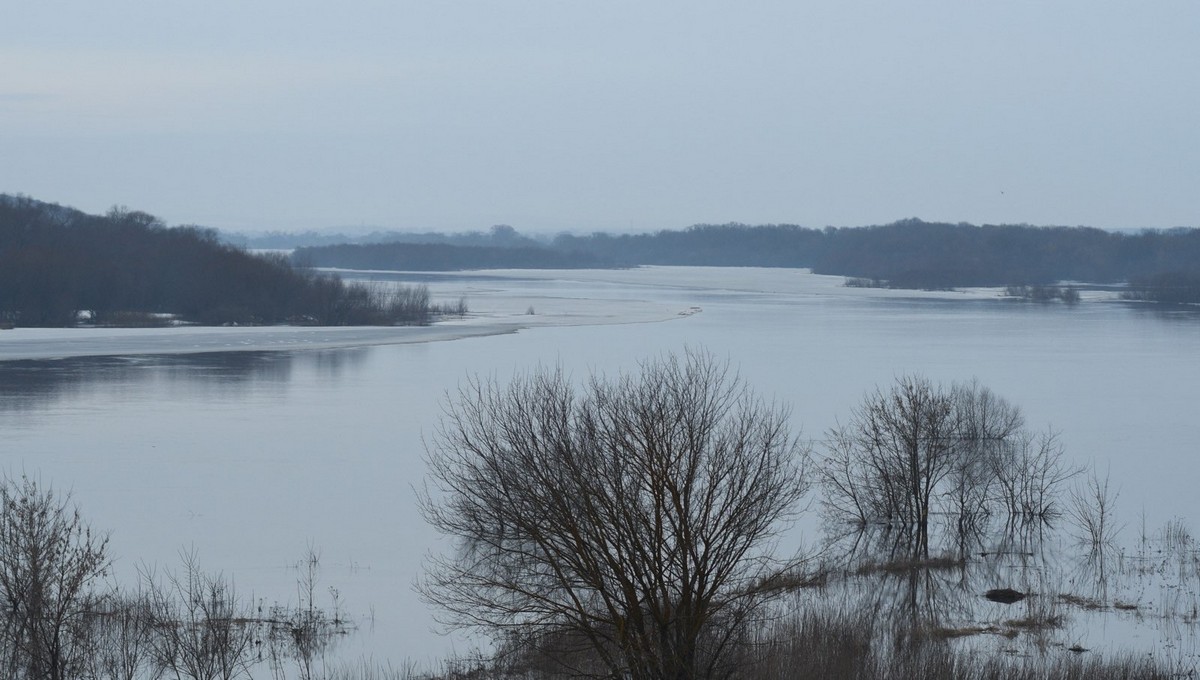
(1066, 595)
(332, 364)
(1165, 311)
(30, 385)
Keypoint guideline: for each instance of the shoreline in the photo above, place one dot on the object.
(48, 344)
(497, 309)
(31, 344)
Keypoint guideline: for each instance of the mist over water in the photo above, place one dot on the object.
(250, 457)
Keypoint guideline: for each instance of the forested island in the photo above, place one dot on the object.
(60, 266)
(1160, 265)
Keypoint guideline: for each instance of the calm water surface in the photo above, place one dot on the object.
(251, 457)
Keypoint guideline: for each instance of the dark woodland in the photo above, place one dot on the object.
(128, 268)
(1160, 265)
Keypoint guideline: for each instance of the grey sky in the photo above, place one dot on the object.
(611, 114)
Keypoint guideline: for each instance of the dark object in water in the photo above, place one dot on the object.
(1005, 595)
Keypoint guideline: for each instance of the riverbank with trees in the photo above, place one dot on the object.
(63, 267)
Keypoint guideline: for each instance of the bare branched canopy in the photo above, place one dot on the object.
(919, 449)
(49, 560)
(626, 523)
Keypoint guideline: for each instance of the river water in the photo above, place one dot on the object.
(250, 457)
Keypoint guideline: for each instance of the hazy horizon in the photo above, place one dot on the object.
(620, 116)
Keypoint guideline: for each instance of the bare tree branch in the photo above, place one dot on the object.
(626, 521)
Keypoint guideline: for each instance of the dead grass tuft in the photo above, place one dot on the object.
(1081, 602)
(1036, 622)
(906, 565)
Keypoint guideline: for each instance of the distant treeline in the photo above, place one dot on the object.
(128, 268)
(499, 236)
(1171, 287)
(915, 254)
(441, 257)
(905, 254)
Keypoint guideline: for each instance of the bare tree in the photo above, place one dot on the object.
(919, 448)
(1091, 508)
(122, 637)
(850, 496)
(202, 628)
(304, 633)
(625, 523)
(49, 560)
(897, 449)
(1029, 473)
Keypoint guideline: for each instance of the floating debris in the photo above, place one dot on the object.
(1004, 595)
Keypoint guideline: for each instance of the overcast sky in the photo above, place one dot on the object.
(554, 115)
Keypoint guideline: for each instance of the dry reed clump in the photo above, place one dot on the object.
(1089, 603)
(944, 633)
(1036, 621)
(905, 564)
(792, 580)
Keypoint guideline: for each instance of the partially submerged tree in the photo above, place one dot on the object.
(896, 450)
(919, 448)
(49, 561)
(122, 637)
(203, 631)
(627, 523)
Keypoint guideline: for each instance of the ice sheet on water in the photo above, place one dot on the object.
(499, 302)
